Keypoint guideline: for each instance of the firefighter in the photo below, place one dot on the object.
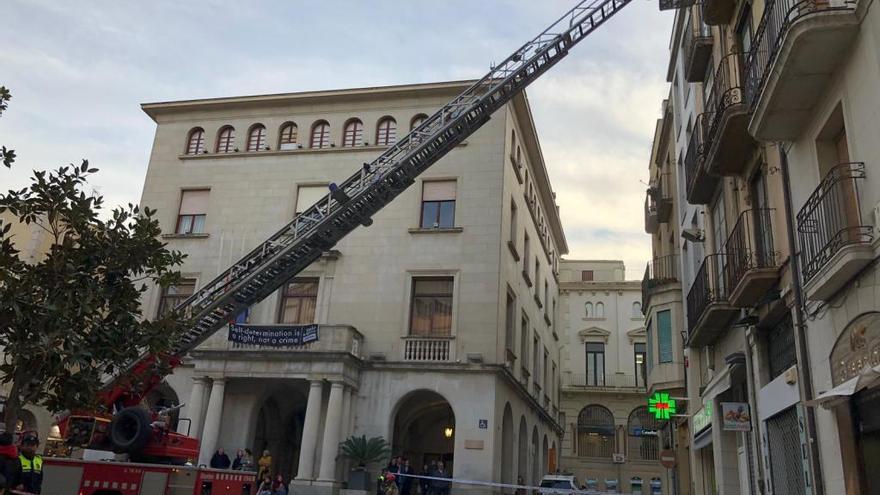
(31, 477)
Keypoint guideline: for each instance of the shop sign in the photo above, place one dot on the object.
(703, 418)
(661, 406)
(735, 416)
(273, 335)
(857, 348)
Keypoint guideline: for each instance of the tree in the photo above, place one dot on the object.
(8, 156)
(71, 319)
(363, 451)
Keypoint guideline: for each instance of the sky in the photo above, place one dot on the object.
(78, 72)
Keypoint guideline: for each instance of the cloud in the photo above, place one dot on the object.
(78, 72)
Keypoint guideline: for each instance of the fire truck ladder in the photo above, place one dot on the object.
(358, 198)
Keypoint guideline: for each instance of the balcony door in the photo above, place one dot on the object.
(761, 225)
(832, 151)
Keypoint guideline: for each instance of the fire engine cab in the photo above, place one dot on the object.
(76, 477)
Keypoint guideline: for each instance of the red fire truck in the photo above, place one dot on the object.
(75, 477)
(160, 454)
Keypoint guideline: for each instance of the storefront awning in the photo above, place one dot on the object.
(841, 393)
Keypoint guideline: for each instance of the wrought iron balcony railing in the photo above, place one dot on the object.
(727, 91)
(675, 4)
(750, 251)
(778, 17)
(710, 286)
(659, 271)
(831, 218)
(700, 185)
(696, 47)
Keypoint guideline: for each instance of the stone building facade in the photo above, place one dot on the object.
(779, 320)
(436, 324)
(611, 441)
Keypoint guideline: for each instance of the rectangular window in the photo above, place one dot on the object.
(781, 348)
(649, 347)
(664, 336)
(513, 223)
(298, 301)
(536, 357)
(641, 366)
(546, 371)
(431, 307)
(586, 275)
(595, 364)
(552, 385)
(438, 204)
(546, 295)
(524, 341)
(526, 253)
(193, 210)
(306, 196)
(176, 294)
(510, 326)
(537, 278)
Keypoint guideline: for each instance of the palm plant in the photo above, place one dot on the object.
(363, 451)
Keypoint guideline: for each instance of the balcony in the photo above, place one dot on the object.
(752, 261)
(696, 47)
(659, 272)
(717, 12)
(796, 48)
(708, 305)
(675, 4)
(424, 349)
(613, 382)
(700, 185)
(728, 143)
(835, 243)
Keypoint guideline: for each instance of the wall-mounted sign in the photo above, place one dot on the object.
(273, 335)
(703, 418)
(857, 347)
(483, 424)
(661, 406)
(735, 416)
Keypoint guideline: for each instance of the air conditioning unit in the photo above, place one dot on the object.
(618, 458)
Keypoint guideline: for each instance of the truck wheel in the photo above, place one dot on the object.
(130, 430)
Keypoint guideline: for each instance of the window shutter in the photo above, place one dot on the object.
(664, 336)
(306, 196)
(438, 190)
(194, 202)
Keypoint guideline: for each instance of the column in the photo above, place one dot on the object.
(306, 468)
(346, 414)
(211, 432)
(194, 408)
(332, 429)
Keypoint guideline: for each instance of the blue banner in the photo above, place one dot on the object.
(273, 335)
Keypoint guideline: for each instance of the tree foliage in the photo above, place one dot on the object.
(74, 317)
(364, 451)
(8, 156)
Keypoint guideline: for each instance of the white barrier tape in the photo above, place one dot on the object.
(542, 490)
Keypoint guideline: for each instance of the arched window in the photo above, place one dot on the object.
(595, 432)
(226, 140)
(320, 135)
(637, 309)
(354, 132)
(287, 136)
(600, 310)
(642, 442)
(589, 310)
(195, 143)
(417, 121)
(386, 132)
(257, 138)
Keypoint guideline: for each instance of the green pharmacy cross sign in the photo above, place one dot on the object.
(661, 405)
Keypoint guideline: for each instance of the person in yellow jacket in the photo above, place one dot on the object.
(265, 465)
(31, 478)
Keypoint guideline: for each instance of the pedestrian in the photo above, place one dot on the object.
(406, 481)
(239, 457)
(247, 462)
(31, 477)
(220, 460)
(10, 464)
(438, 486)
(380, 482)
(390, 487)
(265, 465)
(278, 486)
(425, 484)
(265, 487)
(394, 465)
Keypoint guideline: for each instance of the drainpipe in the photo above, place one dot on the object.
(805, 381)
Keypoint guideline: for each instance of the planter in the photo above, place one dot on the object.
(360, 479)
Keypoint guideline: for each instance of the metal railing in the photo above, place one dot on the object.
(696, 151)
(710, 286)
(831, 218)
(778, 17)
(427, 349)
(727, 91)
(676, 4)
(750, 244)
(608, 380)
(659, 271)
(696, 32)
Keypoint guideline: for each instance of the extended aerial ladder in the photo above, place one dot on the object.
(348, 204)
